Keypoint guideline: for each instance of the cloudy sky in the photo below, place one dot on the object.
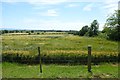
(54, 14)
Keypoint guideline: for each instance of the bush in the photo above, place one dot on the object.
(103, 35)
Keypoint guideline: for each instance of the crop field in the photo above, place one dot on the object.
(57, 48)
(63, 56)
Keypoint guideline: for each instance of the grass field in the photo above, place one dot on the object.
(12, 70)
(56, 42)
(57, 47)
(63, 48)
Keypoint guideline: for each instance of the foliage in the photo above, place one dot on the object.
(112, 28)
(113, 19)
(90, 31)
(84, 30)
(93, 30)
(102, 35)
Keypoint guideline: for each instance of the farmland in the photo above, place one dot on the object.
(63, 56)
(60, 39)
(57, 48)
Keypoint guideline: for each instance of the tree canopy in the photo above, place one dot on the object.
(112, 26)
(90, 31)
(84, 30)
(93, 31)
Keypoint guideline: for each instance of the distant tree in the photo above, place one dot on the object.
(93, 30)
(5, 31)
(38, 33)
(29, 33)
(11, 31)
(21, 31)
(83, 30)
(16, 31)
(32, 31)
(0, 32)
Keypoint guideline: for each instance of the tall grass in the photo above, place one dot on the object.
(57, 49)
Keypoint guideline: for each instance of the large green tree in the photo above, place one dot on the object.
(112, 20)
(112, 26)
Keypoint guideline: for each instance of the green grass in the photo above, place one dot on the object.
(0, 70)
(57, 47)
(13, 70)
(56, 42)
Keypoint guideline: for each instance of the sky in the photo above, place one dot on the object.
(54, 14)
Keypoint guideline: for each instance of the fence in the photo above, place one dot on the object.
(60, 57)
(89, 59)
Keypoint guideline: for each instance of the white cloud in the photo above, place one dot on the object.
(110, 1)
(88, 7)
(37, 2)
(72, 5)
(10, 1)
(50, 12)
(110, 6)
(119, 5)
(52, 24)
(47, 2)
(33, 23)
(57, 1)
(39, 7)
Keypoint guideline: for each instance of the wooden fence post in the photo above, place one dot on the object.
(89, 58)
(40, 59)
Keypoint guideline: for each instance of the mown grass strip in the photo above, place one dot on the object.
(12, 70)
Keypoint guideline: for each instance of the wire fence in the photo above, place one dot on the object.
(59, 58)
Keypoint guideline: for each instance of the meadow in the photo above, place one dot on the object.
(57, 48)
(63, 56)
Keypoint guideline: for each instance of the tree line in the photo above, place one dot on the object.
(34, 31)
(110, 31)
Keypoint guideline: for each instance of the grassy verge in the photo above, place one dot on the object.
(12, 70)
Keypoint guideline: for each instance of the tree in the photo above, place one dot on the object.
(32, 31)
(84, 30)
(112, 27)
(5, 31)
(93, 30)
(113, 19)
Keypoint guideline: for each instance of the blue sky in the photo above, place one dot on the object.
(54, 15)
